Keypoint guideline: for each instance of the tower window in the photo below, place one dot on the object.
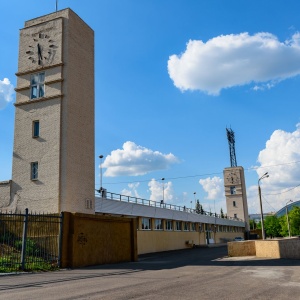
(234, 203)
(36, 129)
(34, 170)
(232, 190)
(235, 216)
(37, 85)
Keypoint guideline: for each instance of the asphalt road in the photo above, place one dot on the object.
(201, 273)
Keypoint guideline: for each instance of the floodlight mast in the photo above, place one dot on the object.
(231, 143)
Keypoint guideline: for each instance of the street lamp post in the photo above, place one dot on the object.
(163, 189)
(261, 209)
(100, 189)
(195, 198)
(287, 217)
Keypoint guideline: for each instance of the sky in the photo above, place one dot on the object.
(170, 77)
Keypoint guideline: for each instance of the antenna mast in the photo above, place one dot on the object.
(56, 5)
(231, 143)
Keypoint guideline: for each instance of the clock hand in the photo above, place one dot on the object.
(39, 53)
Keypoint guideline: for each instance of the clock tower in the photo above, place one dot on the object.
(235, 193)
(53, 156)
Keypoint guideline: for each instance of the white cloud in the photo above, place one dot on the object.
(132, 191)
(6, 92)
(135, 160)
(159, 190)
(279, 159)
(213, 187)
(236, 59)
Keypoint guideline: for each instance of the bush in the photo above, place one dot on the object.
(31, 246)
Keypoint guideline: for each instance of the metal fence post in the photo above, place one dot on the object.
(24, 238)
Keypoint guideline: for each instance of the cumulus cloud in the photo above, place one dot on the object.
(159, 189)
(132, 191)
(282, 150)
(280, 158)
(213, 187)
(237, 59)
(134, 160)
(6, 92)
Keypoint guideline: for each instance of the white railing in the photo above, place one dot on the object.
(161, 204)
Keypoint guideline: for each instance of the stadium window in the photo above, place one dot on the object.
(158, 224)
(169, 225)
(146, 223)
(178, 226)
(185, 226)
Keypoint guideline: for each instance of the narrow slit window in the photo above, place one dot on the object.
(36, 129)
(34, 170)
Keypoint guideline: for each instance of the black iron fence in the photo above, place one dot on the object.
(30, 241)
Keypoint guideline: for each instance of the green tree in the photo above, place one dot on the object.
(272, 226)
(294, 220)
(198, 207)
(252, 224)
(222, 213)
(283, 226)
(201, 209)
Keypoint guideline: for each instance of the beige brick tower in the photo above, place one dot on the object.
(53, 159)
(235, 193)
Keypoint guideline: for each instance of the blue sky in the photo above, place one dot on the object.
(170, 77)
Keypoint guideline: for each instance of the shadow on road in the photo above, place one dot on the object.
(197, 257)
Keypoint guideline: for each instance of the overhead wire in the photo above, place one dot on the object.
(269, 203)
(205, 174)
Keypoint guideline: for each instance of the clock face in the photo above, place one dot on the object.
(232, 178)
(41, 50)
(40, 45)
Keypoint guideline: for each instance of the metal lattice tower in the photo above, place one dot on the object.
(231, 143)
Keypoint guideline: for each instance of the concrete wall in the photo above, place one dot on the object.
(284, 248)
(93, 239)
(157, 241)
(41, 194)
(77, 148)
(246, 248)
(5, 187)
